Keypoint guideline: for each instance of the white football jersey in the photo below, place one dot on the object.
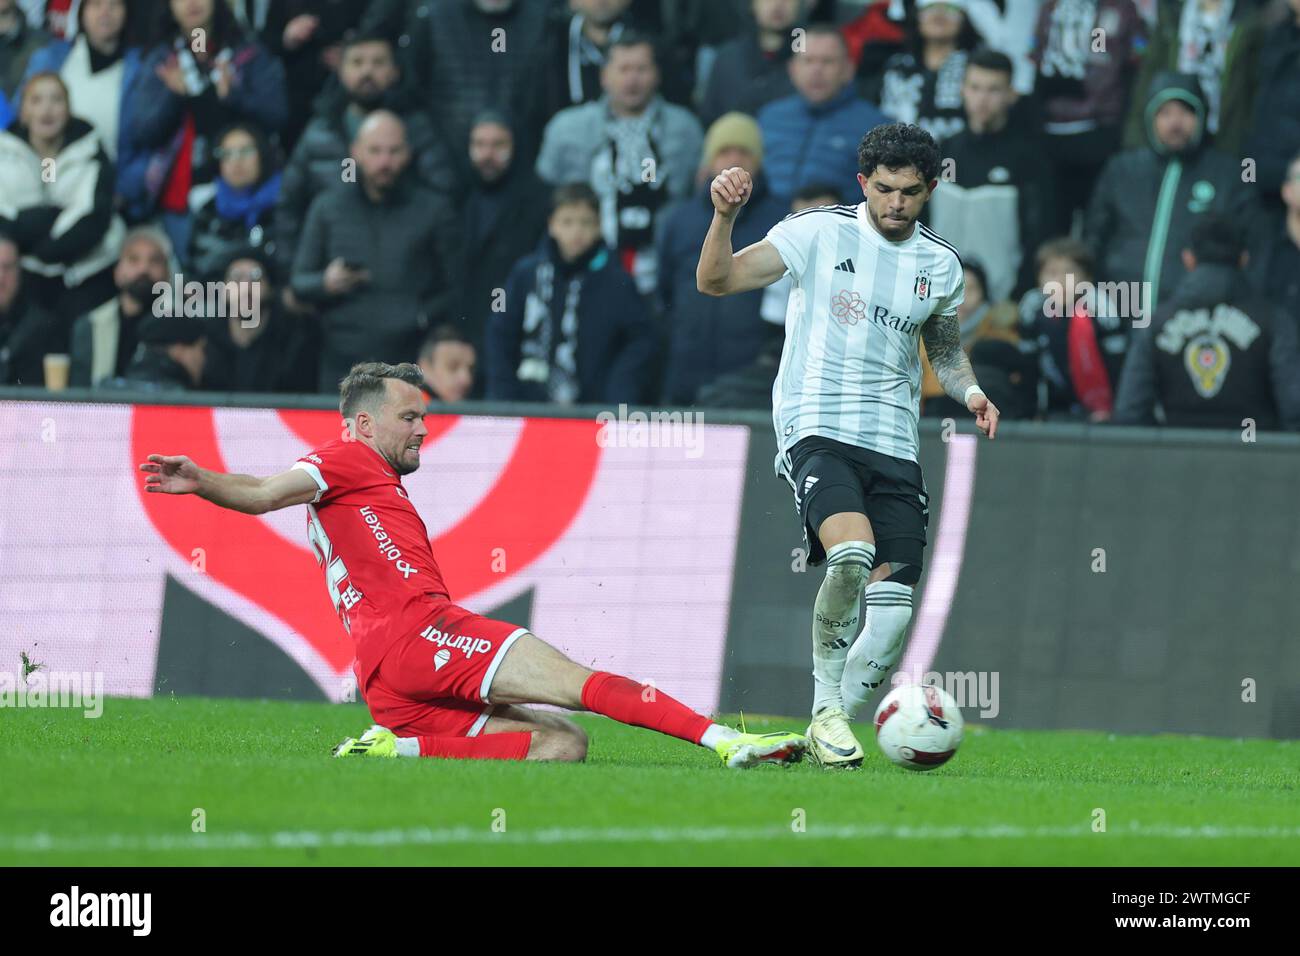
(851, 368)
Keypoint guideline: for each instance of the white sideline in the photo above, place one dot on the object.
(423, 836)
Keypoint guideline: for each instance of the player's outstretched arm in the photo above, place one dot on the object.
(177, 475)
(719, 272)
(942, 337)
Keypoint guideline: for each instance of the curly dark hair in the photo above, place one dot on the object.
(898, 145)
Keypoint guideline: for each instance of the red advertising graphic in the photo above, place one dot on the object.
(620, 548)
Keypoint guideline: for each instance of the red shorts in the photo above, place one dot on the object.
(435, 682)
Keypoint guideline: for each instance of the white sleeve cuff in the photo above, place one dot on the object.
(316, 476)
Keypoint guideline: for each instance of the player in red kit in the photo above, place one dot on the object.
(440, 681)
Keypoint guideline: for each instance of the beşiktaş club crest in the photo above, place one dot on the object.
(922, 285)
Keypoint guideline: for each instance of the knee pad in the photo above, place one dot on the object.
(908, 574)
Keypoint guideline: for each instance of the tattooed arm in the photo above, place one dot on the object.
(942, 337)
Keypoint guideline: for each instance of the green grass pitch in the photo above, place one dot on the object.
(124, 788)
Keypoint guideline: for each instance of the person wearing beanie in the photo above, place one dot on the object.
(710, 336)
(1147, 200)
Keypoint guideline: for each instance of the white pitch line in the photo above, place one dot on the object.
(423, 836)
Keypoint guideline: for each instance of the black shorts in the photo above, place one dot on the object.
(829, 477)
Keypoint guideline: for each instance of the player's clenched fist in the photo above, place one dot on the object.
(731, 189)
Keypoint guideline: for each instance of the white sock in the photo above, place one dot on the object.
(887, 609)
(408, 746)
(835, 617)
(716, 734)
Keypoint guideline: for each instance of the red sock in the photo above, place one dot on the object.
(641, 706)
(512, 746)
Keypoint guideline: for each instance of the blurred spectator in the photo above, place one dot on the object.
(368, 79)
(1218, 41)
(392, 18)
(97, 67)
(753, 69)
(713, 335)
(448, 360)
(64, 224)
(1275, 261)
(459, 59)
(55, 16)
(922, 84)
(982, 319)
(185, 93)
(1148, 199)
(501, 219)
(1275, 133)
(874, 35)
(26, 330)
(239, 212)
(636, 150)
(370, 258)
(307, 37)
(171, 358)
(577, 46)
(1076, 336)
(1001, 193)
(574, 328)
(1218, 353)
(270, 351)
(1008, 27)
(813, 135)
(814, 194)
(1084, 86)
(6, 111)
(19, 41)
(104, 340)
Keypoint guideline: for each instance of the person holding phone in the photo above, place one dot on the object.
(372, 257)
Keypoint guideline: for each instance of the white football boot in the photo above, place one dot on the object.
(831, 743)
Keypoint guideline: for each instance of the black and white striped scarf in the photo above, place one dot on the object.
(546, 360)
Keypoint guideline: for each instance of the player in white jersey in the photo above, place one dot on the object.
(868, 283)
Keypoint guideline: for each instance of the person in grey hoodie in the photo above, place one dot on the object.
(1147, 200)
(372, 256)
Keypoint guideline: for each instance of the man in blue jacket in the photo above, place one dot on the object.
(812, 136)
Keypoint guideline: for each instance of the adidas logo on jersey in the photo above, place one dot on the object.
(846, 266)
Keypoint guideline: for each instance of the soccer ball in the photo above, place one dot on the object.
(918, 726)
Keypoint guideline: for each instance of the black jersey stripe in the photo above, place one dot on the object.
(833, 210)
(928, 233)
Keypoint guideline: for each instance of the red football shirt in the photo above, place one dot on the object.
(373, 546)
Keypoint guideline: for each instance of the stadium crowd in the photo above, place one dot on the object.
(514, 192)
